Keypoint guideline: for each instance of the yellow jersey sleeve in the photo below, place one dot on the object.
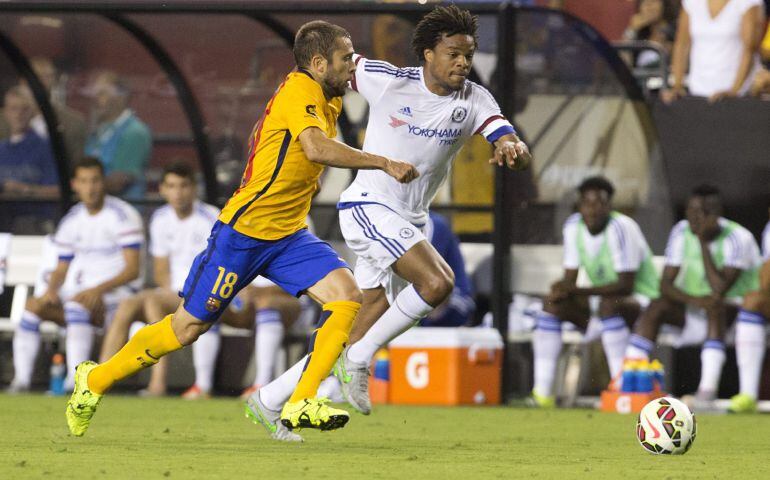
(303, 109)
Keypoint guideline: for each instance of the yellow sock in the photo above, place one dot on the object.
(143, 350)
(326, 344)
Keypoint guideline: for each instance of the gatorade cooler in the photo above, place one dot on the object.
(446, 366)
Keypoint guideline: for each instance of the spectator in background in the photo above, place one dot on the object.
(72, 124)
(118, 138)
(764, 48)
(27, 166)
(27, 169)
(458, 309)
(652, 21)
(761, 84)
(720, 38)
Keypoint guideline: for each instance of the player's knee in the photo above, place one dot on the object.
(606, 307)
(351, 294)
(437, 287)
(609, 305)
(552, 308)
(33, 305)
(755, 301)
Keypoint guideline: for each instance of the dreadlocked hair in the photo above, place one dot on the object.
(449, 20)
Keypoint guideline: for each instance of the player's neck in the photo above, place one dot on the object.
(434, 85)
(95, 207)
(712, 234)
(317, 80)
(183, 212)
(599, 228)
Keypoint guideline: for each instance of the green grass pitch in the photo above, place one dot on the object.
(172, 438)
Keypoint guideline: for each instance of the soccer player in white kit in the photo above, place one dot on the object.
(611, 250)
(423, 115)
(751, 336)
(711, 265)
(99, 243)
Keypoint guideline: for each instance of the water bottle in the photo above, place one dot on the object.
(629, 376)
(644, 378)
(58, 372)
(658, 374)
(382, 365)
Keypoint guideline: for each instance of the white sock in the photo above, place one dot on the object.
(615, 335)
(407, 309)
(277, 392)
(750, 350)
(80, 339)
(331, 389)
(26, 344)
(546, 347)
(639, 347)
(267, 343)
(205, 351)
(712, 359)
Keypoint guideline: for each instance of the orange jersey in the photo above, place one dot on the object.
(279, 181)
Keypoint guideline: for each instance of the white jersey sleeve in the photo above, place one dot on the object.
(741, 250)
(489, 120)
(766, 242)
(131, 229)
(570, 232)
(372, 77)
(66, 234)
(158, 246)
(5, 247)
(675, 245)
(627, 244)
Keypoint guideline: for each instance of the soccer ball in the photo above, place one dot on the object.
(666, 426)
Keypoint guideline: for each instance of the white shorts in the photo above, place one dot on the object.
(378, 236)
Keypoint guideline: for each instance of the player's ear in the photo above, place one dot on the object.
(319, 63)
(428, 54)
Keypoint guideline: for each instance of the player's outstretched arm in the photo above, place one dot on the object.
(321, 149)
(511, 151)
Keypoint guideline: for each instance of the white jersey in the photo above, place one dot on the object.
(94, 243)
(180, 240)
(740, 250)
(5, 247)
(766, 243)
(625, 240)
(408, 122)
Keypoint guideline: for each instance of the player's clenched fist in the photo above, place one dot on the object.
(401, 171)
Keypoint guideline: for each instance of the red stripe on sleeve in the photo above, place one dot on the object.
(487, 122)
